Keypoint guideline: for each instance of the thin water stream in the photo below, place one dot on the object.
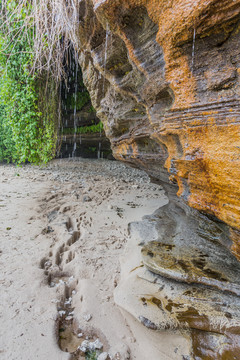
(193, 47)
(80, 142)
(105, 54)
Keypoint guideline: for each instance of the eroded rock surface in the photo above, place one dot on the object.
(164, 79)
(187, 289)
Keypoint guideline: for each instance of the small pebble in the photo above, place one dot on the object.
(62, 312)
(87, 198)
(87, 317)
(68, 302)
(88, 345)
(103, 356)
(97, 345)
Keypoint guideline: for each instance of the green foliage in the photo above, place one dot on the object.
(27, 132)
(91, 109)
(82, 98)
(91, 355)
(92, 149)
(7, 145)
(84, 129)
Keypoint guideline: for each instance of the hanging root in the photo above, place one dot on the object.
(54, 24)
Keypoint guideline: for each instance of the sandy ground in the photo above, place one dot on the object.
(64, 229)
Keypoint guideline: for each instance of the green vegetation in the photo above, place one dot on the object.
(78, 100)
(91, 355)
(27, 123)
(84, 129)
(81, 99)
(75, 96)
(7, 145)
(32, 79)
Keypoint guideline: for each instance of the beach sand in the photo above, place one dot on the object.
(64, 250)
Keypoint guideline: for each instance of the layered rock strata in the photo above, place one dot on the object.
(164, 79)
(188, 287)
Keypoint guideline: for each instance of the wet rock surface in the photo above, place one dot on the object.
(204, 260)
(193, 288)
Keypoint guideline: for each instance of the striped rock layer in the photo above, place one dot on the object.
(164, 77)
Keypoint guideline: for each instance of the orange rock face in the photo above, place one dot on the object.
(186, 64)
(164, 77)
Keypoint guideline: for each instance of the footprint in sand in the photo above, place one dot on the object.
(64, 251)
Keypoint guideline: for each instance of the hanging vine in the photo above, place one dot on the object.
(28, 122)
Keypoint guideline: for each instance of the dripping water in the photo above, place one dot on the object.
(113, 101)
(66, 92)
(105, 54)
(111, 41)
(75, 104)
(74, 148)
(60, 127)
(99, 151)
(193, 47)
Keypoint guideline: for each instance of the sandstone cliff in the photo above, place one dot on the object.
(164, 78)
